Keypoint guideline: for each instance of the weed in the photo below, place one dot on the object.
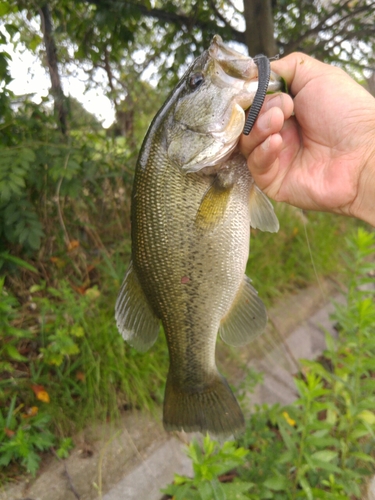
(23, 436)
(209, 464)
(10, 336)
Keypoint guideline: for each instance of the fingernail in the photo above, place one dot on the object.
(263, 122)
(266, 144)
(275, 101)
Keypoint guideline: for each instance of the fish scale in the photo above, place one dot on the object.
(192, 207)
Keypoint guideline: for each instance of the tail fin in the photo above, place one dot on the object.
(213, 409)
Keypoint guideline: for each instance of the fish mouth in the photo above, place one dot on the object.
(233, 69)
(236, 71)
(232, 62)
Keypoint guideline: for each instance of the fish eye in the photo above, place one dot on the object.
(196, 80)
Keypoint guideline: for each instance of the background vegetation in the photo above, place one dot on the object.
(65, 184)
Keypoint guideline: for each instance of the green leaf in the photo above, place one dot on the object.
(306, 488)
(31, 462)
(362, 456)
(19, 262)
(13, 353)
(12, 405)
(5, 8)
(290, 444)
(194, 452)
(235, 490)
(324, 455)
(330, 341)
(43, 440)
(358, 434)
(320, 464)
(6, 456)
(5, 366)
(35, 41)
(277, 483)
(367, 417)
(77, 331)
(208, 445)
(285, 457)
(27, 155)
(205, 490)
(218, 491)
(65, 446)
(180, 479)
(183, 492)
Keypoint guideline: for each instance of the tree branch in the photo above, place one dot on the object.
(293, 45)
(219, 15)
(174, 17)
(108, 70)
(51, 53)
(182, 19)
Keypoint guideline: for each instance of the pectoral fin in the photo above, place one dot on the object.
(246, 319)
(212, 208)
(262, 215)
(135, 319)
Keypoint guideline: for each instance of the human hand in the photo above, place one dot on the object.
(323, 157)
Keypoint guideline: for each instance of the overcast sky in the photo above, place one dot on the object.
(30, 77)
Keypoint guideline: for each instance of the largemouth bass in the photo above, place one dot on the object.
(193, 203)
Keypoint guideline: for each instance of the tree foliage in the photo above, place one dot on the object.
(121, 46)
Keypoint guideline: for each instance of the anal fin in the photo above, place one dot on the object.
(135, 319)
(246, 319)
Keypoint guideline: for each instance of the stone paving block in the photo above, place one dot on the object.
(272, 391)
(146, 480)
(318, 343)
(322, 318)
(371, 489)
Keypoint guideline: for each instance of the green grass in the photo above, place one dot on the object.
(282, 261)
(99, 376)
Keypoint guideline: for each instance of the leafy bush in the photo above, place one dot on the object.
(321, 446)
(23, 437)
(63, 321)
(208, 464)
(38, 165)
